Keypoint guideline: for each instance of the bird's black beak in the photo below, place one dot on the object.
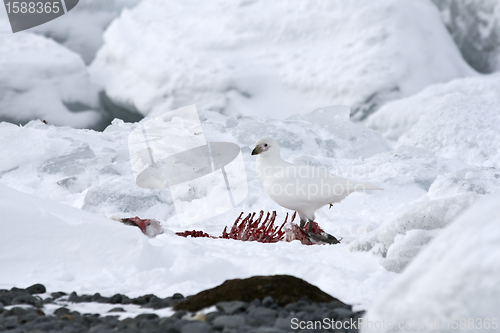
(257, 150)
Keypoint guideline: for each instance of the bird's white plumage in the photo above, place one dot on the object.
(302, 188)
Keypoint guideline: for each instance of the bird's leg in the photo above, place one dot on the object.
(327, 238)
(302, 224)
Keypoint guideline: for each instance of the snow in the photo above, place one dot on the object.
(402, 236)
(458, 120)
(62, 247)
(264, 58)
(455, 277)
(42, 80)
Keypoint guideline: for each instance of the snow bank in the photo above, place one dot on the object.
(475, 27)
(401, 237)
(458, 120)
(81, 168)
(404, 234)
(82, 28)
(267, 58)
(40, 79)
(455, 277)
(68, 249)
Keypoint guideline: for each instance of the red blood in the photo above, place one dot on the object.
(141, 223)
(193, 233)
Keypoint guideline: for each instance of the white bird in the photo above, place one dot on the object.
(302, 188)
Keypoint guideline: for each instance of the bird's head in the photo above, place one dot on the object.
(266, 146)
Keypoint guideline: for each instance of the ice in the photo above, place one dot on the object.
(399, 239)
(81, 29)
(42, 80)
(455, 277)
(475, 27)
(453, 188)
(457, 120)
(264, 58)
(325, 132)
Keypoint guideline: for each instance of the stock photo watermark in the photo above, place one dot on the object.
(205, 179)
(365, 323)
(27, 14)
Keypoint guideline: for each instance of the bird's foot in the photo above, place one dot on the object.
(325, 238)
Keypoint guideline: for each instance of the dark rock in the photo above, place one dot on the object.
(58, 294)
(5, 299)
(15, 311)
(27, 299)
(117, 310)
(61, 312)
(10, 322)
(67, 317)
(178, 325)
(343, 313)
(256, 302)
(141, 300)
(209, 317)
(272, 330)
(119, 299)
(29, 317)
(284, 323)
(147, 316)
(46, 326)
(157, 303)
(338, 304)
(267, 301)
(86, 298)
(99, 299)
(232, 307)
(177, 296)
(73, 297)
(284, 289)
(261, 317)
(18, 291)
(167, 321)
(90, 319)
(228, 322)
(100, 327)
(196, 327)
(48, 300)
(36, 289)
(6, 296)
(179, 314)
(130, 322)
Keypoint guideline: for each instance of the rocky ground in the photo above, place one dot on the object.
(25, 310)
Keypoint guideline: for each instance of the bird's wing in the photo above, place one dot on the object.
(310, 185)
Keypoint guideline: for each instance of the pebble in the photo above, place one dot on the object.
(257, 316)
(232, 307)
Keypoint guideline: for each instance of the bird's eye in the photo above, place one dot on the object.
(265, 144)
